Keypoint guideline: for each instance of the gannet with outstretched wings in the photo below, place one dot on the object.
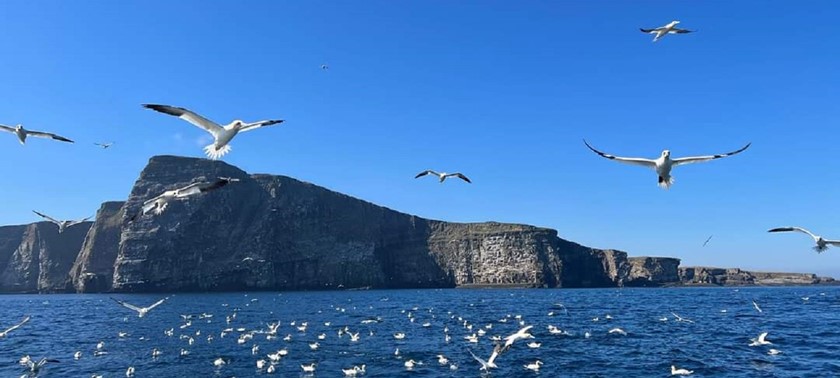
(519, 335)
(443, 175)
(822, 244)
(662, 31)
(104, 146)
(222, 135)
(490, 363)
(159, 203)
(141, 311)
(664, 163)
(36, 366)
(62, 225)
(23, 133)
(14, 327)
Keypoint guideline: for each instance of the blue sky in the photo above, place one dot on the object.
(502, 91)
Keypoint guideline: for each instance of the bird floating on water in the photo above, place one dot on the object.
(675, 371)
(822, 244)
(222, 135)
(664, 163)
(14, 327)
(670, 28)
(141, 311)
(159, 203)
(23, 133)
(534, 366)
(442, 176)
(62, 225)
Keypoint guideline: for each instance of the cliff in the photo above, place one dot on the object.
(268, 232)
(699, 275)
(36, 258)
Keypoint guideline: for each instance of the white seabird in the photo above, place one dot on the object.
(222, 135)
(519, 335)
(535, 366)
(443, 175)
(664, 163)
(104, 146)
(308, 368)
(680, 318)
(141, 311)
(755, 304)
(822, 244)
(675, 371)
(159, 203)
(670, 28)
(23, 133)
(14, 327)
(62, 225)
(490, 363)
(760, 340)
(35, 366)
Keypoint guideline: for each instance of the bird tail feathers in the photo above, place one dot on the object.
(215, 153)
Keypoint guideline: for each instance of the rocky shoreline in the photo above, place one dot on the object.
(270, 232)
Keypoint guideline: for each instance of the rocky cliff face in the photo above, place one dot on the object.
(276, 233)
(93, 270)
(36, 258)
(699, 275)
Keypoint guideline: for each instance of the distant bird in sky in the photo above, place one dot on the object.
(62, 225)
(664, 163)
(23, 133)
(159, 203)
(442, 176)
(822, 244)
(707, 240)
(141, 311)
(104, 145)
(14, 327)
(325, 67)
(670, 28)
(222, 135)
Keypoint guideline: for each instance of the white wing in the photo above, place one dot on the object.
(634, 161)
(7, 128)
(40, 134)
(484, 364)
(794, 229)
(426, 172)
(189, 116)
(835, 243)
(16, 326)
(257, 125)
(761, 337)
(189, 190)
(75, 222)
(47, 217)
(127, 305)
(156, 304)
(698, 159)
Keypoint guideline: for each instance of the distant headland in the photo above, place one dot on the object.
(269, 232)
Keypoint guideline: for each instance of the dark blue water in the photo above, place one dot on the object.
(716, 344)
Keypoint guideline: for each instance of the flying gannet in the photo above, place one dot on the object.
(222, 135)
(760, 340)
(23, 133)
(443, 175)
(36, 366)
(141, 311)
(664, 163)
(159, 203)
(670, 28)
(14, 327)
(490, 363)
(519, 335)
(104, 146)
(822, 244)
(62, 225)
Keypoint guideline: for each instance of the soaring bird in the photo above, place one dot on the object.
(104, 145)
(141, 311)
(443, 175)
(662, 31)
(664, 163)
(490, 363)
(222, 135)
(822, 244)
(519, 335)
(760, 340)
(159, 203)
(62, 225)
(23, 133)
(707, 240)
(14, 327)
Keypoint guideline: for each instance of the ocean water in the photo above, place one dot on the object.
(807, 332)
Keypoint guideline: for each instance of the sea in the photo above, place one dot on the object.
(712, 339)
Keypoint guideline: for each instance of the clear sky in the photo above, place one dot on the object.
(502, 91)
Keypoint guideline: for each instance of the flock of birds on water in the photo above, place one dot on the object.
(222, 136)
(267, 356)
